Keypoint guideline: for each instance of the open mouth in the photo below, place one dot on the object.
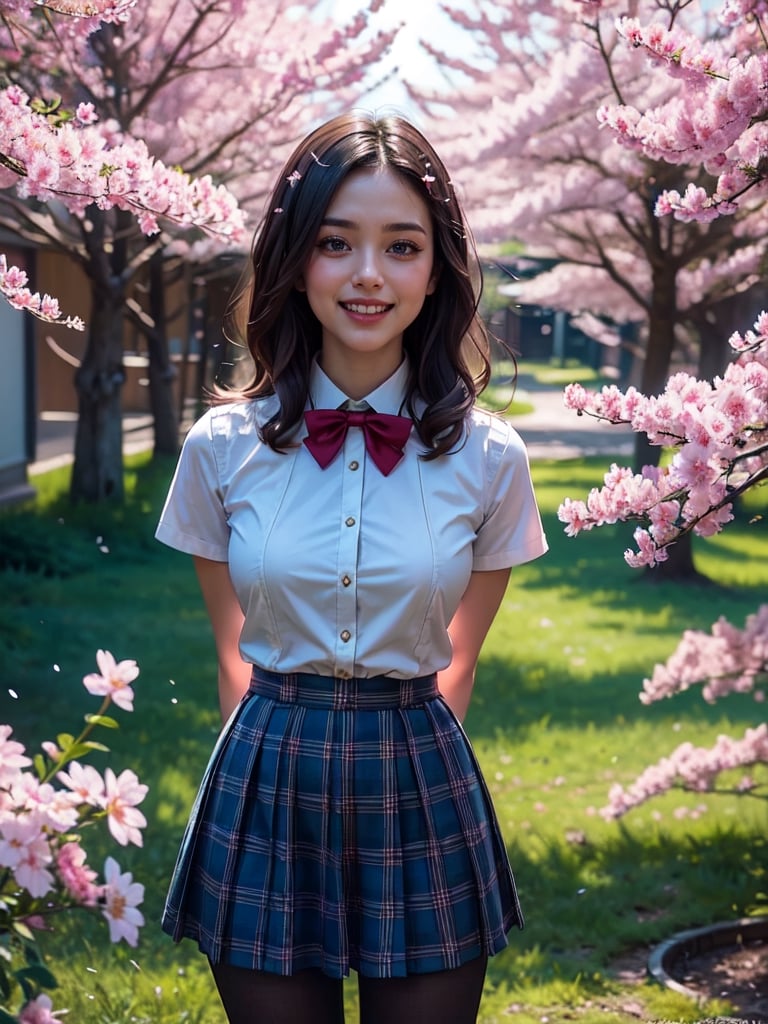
(365, 308)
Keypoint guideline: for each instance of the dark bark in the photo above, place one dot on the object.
(662, 319)
(97, 473)
(162, 373)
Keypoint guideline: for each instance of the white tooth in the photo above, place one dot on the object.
(355, 308)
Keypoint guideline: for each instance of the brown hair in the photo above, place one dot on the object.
(447, 344)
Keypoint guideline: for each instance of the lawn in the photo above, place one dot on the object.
(555, 722)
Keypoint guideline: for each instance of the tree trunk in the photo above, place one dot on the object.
(658, 353)
(97, 473)
(661, 344)
(162, 373)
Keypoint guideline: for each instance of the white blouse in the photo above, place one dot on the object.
(344, 571)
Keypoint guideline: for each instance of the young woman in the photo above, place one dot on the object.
(353, 519)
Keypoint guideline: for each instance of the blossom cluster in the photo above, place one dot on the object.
(719, 433)
(716, 120)
(694, 768)
(89, 14)
(45, 801)
(726, 660)
(80, 162)
(109, 11)
(13, 287)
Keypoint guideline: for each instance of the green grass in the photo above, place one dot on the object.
(555, 721)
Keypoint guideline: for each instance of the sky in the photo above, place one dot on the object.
(419, 18)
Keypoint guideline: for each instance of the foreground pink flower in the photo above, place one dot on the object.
(122, 793)
(40, 1011)
(12, 757)
(113, 680)
(85, 782)
(79, 879)
(25, 849)
(121, 897)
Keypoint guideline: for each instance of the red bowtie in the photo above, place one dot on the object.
(385, 435)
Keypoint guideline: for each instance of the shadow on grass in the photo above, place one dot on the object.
(587, 904)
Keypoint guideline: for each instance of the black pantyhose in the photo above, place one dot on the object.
(447, 997)
(253, 997)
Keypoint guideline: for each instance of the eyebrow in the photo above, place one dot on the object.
(404, 225)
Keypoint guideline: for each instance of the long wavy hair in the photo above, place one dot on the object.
(447, 344)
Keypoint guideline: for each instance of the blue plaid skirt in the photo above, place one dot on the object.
(343, 824)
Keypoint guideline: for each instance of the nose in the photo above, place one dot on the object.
(367, 273)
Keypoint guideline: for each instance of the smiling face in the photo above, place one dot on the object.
(370, 270)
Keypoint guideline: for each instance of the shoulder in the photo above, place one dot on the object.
(495, 436)
(231, 420)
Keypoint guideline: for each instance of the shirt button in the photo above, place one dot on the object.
(354, 464)
(345, 635)
(346, 580)
(350, 521)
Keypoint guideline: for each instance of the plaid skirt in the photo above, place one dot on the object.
(343, 824)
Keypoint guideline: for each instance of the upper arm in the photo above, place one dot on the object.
(222, 605)
(475, 614)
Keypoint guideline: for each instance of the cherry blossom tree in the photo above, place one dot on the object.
(717, 431)
(216, 87)
(539, 166)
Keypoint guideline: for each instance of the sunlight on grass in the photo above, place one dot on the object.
(555, 721)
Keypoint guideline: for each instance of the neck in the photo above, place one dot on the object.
(359, 377)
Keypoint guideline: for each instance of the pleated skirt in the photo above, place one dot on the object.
(343, 825)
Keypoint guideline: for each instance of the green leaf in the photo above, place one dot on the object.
(77, 750)
(93, 745)
(21, 929)
(105, 720)
(39, 763)
(39, 974)
(64, 740)
(5, 984)
(6, 1018)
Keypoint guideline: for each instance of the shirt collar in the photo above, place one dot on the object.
(387, 397)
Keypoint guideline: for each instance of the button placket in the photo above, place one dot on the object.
(352, 460)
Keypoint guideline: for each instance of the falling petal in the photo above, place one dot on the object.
(13, 694)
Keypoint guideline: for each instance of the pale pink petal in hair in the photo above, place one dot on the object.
(428, 178)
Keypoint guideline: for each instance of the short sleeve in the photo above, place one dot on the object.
(194, 519)
(511, 532)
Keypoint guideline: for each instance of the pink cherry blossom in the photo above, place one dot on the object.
(13, 287)
(40, 1011)
(122, 793)
(692, 768)
(12, 757)
(77, 877)
(121, 897)
(113, 680)
(31, 870)
(52, 808)
(85, 782)
(726, 660)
